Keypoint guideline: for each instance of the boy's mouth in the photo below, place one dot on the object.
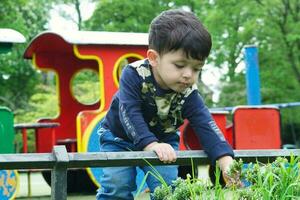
(184, 84)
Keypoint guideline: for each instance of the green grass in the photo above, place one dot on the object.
(279, 180)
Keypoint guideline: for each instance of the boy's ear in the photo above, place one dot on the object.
(153, 57)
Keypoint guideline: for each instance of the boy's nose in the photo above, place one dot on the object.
(187, 73)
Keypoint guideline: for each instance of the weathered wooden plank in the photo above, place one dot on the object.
(100, 159)
(266, 155)
(132, 158)
(27, 161)
(183, 157)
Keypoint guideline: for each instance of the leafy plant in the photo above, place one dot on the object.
(277, 180)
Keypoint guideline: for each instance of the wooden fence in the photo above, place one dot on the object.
(59, 161)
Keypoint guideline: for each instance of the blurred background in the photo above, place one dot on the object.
(272, 25)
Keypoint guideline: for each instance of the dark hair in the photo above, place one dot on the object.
(178, 29)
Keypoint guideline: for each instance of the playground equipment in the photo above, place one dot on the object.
(252, 75)
(7, 131)
(9, 179)
(67, 54)
(252, 128)
(8, 37)
(104, 53)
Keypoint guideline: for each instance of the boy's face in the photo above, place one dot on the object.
(173, 70)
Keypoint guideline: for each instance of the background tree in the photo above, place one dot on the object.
(126, 16)
(76, 16)
(17, 78)
(272, 25)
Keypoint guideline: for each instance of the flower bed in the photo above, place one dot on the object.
(277, 180)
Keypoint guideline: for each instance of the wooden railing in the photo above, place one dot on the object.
(59, 161)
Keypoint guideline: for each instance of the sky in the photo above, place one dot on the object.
(210, 76)
(59, 23)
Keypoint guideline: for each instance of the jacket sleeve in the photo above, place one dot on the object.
(207, 131)
(130, 111)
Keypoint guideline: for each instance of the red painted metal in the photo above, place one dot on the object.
(24, 138)
(256, 128)
(189, 139)
(53, 53)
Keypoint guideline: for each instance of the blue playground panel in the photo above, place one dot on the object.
(9, 180)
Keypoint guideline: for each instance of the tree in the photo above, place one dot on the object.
(126, 16)
(76, 18)
(284, 18)
(17, 77)
(280, 47)
(231, 24)
(273, 27)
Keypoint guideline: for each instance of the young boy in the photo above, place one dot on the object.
(155, 96)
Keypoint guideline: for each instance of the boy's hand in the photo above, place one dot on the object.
(225, 163)
(164, 151)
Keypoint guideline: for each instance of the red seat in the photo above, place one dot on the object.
(256, 127)
(189, 138)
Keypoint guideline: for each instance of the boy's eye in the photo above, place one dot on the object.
(197, 69)
(179, 66)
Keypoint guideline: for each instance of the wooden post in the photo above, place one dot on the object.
(59, 173)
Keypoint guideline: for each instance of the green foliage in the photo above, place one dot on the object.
(122, 15)
(17, 77)
(230, 98)
(272, 181)
(272, 26)
(231, 24)
(86, 87)
(277, 180)
(163, 192)
(43, 104)
(87, 92)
